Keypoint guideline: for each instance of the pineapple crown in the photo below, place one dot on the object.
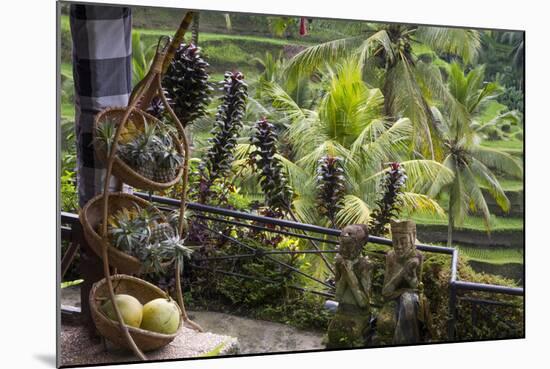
(186, 84)
(144, 234)
(153, 147)
(105, 134)
(129, 229)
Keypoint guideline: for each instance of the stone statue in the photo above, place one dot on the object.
(403, 285)
(353, 277)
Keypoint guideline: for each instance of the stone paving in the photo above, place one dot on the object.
(226, 335)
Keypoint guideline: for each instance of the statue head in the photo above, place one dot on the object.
(403, 237)
(352, 239)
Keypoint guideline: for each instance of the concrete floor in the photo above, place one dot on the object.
(254, 336)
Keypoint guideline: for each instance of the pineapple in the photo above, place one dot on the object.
(161, 232)
(128, 133)
(138, 153)
(128, 230)
(170, 161)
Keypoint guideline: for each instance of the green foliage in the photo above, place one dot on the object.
(512, 98)
(282, 26)
(406, 78)
(491, 322)
(269, 297)
(69, 194)
(472, 164)
(143, 52)
(493, 255)
(435, 277)
(71, 283)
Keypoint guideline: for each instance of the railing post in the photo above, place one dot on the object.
(91, 272)
(452, 311)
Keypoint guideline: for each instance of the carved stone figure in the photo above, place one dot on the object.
(353, 277)
(403, 285)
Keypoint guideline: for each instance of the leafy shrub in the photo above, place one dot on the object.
(69, 194)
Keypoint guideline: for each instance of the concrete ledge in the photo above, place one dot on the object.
(78, 347)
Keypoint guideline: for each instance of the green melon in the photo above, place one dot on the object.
(161, 315)
(130, 309)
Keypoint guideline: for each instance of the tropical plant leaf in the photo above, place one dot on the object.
(462, 42)
(415, 203)
(484, 176)
(498, 160)
(354, 211)
(314, 57)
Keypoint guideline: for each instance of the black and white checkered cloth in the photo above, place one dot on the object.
(102, 69)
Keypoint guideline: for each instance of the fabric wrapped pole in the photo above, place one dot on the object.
(102, 70)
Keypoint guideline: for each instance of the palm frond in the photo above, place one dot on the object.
(243, 150)
(305, 210)
(462, 42)
(328, 147)
(255, 110)
(415, 203)
(485, 177)
(314, 57)
(476, 199)
(354, 211)
(441, 180)
(380, 41)
(498, 160)
(421, 173)
(375, 146)
(301, 181)
(281, 101)
(348, 105)
(403, 98)
(512, 117)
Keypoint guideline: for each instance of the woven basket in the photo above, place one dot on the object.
(123, 171)
(110, 329)
(91, 217)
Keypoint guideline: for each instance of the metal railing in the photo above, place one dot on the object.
(312, 233)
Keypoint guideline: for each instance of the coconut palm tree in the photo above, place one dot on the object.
(348, 122)
(408, 84)
(473, 164)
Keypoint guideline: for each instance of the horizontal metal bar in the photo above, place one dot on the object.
(321, 293)
(471, 286)
(487, 302)
(66, 233)
(281, 222)
(69, 218)
(241, 215)
(262, 253)
(290, 267)
(272, 230)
